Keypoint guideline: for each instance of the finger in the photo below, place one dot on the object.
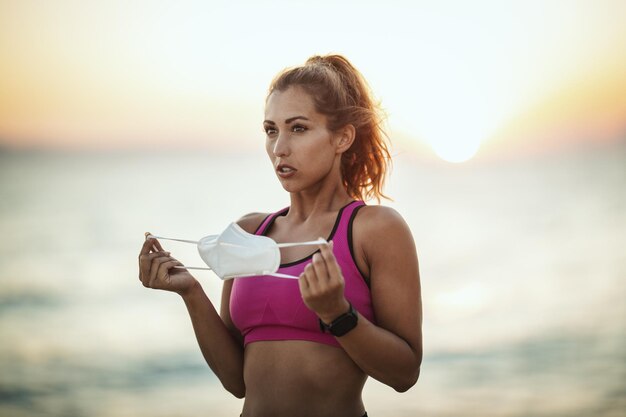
(152, 268)
(156, 245)
(319, 266)
(308, 275)
(307, 282)
(145, 260)
(162, 272)
(183, 269)
(304, 284)
(324, 244)
(147, 246)
(142, 260)
(332, 266)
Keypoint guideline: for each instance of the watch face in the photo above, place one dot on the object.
(344, 324)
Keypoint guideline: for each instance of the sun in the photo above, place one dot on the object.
(456, 142)
(455, 149)
(450, 120)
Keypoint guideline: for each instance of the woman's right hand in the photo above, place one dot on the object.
(156, 269)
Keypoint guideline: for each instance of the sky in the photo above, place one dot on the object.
(454, 77)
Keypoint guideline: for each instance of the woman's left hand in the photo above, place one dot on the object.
(322, 285)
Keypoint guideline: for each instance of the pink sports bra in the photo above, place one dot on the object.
(271, 308)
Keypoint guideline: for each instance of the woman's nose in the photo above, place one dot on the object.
(281, 146)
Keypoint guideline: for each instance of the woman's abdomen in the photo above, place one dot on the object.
(300, 378)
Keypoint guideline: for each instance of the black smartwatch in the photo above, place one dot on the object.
(342, 324)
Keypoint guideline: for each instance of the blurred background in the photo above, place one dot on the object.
(508, 125)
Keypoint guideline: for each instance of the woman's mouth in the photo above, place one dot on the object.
(285, 171)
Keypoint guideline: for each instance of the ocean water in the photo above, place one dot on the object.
(522, 264)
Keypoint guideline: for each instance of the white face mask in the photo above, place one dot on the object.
(236, 253)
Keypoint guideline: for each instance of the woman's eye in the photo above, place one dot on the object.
(269, 130)
(299, 128)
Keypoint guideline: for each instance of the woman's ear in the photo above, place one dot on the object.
(345, 138)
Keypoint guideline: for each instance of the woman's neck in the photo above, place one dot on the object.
(310, 203)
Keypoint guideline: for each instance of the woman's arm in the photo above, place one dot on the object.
(391, 350)
(218, 339)
(222, 351)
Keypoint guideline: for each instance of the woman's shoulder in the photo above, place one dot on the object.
(376, 217)
(380, 236)
(384, 223)
(251, 221)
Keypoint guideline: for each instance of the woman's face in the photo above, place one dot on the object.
(301, 148)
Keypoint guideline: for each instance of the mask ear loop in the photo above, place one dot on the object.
(171, 238)
(319, 241)
(185, 241)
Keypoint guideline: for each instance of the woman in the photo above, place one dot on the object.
(306, 347)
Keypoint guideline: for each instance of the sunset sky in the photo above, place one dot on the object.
(451, 75)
